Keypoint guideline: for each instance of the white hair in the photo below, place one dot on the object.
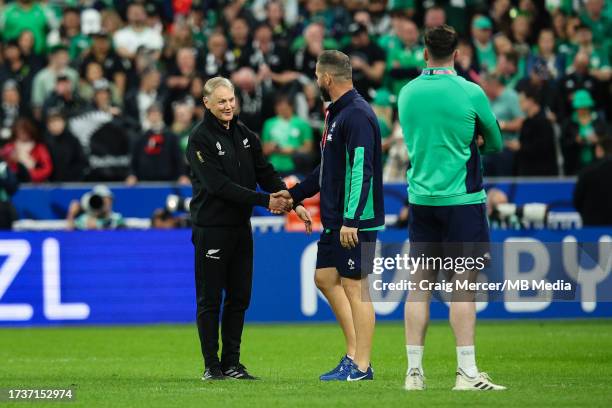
(214, 83)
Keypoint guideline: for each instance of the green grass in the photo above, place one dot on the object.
(553, 363)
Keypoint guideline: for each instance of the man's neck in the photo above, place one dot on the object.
(440, 64)
(337, 93)
(534, 111)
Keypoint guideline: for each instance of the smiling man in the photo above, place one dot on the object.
(227, 164)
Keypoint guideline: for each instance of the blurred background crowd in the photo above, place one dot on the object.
(109, 90)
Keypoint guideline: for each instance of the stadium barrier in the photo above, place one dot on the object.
(141, 277)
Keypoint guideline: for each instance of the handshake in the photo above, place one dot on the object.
(280, 202)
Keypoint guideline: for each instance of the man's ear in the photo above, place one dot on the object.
(455, 54)
(426, 55)
(205, 101)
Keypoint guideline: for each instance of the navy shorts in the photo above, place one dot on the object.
(348, 262)
(456, 230)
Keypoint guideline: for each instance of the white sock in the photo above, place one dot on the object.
(415, 357)
(466, 360)
(350, 357)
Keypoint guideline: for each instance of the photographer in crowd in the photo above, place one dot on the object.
(94, 211)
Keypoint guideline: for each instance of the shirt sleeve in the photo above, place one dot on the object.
(308, 187)
(360, 131)
(206, 167)
(487, 123)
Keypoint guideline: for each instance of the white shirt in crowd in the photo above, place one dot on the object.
(131, 39)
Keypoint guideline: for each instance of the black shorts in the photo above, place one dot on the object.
(350, 263)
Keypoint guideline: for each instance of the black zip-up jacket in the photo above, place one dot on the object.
(226, 167)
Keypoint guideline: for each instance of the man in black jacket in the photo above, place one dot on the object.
(536, 151)
(592, 196)
(227, 164)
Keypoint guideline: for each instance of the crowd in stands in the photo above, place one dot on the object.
(106, 90)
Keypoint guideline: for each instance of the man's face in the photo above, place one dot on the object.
(323, 81)
(221, 103)
(137, 15)
(524, 102)
(434, 18)
(56, 125)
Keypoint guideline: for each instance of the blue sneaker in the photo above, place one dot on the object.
(357, 375)
(339, 373)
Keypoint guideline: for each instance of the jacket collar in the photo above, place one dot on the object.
(343, 101)
(212, 121)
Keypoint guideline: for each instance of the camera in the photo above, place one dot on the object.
(176, 203)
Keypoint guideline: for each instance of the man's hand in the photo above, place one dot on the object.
(348, 237)
(304, 216)
(282, 194)
(280, 205)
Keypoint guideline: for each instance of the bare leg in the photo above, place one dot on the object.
(328, 282)
(363, 319)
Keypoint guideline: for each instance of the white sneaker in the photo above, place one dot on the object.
(482, 382)
(414, 380)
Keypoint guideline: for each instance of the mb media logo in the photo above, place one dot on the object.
(351, 264)
(211, 253)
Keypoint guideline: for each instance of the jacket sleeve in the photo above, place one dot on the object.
(308, 187)
(360, 134)
(487, 123)
(44, 166)
(207, 169)
(266, 175)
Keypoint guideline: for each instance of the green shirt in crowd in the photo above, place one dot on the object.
(439, 113)
(506, 108)
(37, 18)
(403, 57)
(292, 133)
(487, 58)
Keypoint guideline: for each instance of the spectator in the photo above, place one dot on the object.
(269, 60)
(535, 149)
(148, 92)
(434, 16)
(15, 68)
(80, 43)
(500, 14)
(180, 78)
(70, 25)
(599, 23)
(240, 44)
(540, 80)
(482, 29)
(581, 131)
(26, 45)
(28, 15)
(113, 66)
(593, 195)
(69, 161)
(405, 62)
(94, 211)
(580, 78)
(287, 139)
(546, 55)
(367, 60)
(10, 109)
(219, 61)
(94, 72)
(136, 34)
(465, 64)
(254, 98)
(26, 154)
(45, 81)
(599, 64)
(305, 57)
(275, 19)
(63, 97)
(8, 187)
(183, 113)
(507, 69)
(156, 156)
(505, 105)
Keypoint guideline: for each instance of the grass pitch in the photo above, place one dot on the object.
(552, 363)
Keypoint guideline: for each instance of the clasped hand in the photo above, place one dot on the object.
(280, 202)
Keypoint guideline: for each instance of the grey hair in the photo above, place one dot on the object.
(337, 64)
(214, 83)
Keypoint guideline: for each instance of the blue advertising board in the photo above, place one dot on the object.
(140, 277)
